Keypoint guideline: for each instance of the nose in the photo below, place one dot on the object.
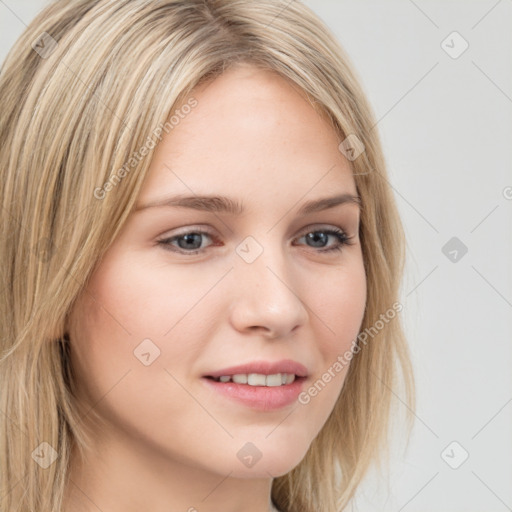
(265, 300)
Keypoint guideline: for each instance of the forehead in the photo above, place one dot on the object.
(249, 102)
(251, 128)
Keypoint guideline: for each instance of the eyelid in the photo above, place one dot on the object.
(189, 229)
(165, 240)
(343, 238)
(319, 226)
(206, 231)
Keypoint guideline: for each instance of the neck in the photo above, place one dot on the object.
(122, 477)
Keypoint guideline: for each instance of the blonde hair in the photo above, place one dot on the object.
(81, 92)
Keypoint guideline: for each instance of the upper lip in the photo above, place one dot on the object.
(263, 367)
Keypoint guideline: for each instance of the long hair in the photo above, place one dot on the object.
(87, 85)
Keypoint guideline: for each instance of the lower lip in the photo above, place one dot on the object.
(262, 398)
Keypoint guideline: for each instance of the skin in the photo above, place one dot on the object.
(168, 442)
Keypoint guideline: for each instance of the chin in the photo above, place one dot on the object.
(265, 470)
(273, 461)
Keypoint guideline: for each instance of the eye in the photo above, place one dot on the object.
(189, 242)
(320, 238)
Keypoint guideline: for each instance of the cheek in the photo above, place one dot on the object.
(101, 344)
(125, 306)
(338, 313)
(340, 306)
(151, 298)
(134, 300)
(132, 314)
(103, 327)
(112, 339)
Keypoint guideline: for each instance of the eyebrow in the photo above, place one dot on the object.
(222, 204)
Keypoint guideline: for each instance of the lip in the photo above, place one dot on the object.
(265, 368)
(261, 398)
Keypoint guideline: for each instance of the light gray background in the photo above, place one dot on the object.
(446, 127)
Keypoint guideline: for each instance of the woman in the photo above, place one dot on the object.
(201, 259)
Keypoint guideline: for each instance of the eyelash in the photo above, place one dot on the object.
(343, 240)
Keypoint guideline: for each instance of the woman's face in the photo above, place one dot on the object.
(188, 290)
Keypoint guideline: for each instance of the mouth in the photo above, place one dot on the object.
(260, 392)
(259, 385)
(258, 379)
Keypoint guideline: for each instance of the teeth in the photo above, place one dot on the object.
(240, 378)
(274, 380)
(258, 379)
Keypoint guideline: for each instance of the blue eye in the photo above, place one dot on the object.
(321, 237)
(190, 242)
